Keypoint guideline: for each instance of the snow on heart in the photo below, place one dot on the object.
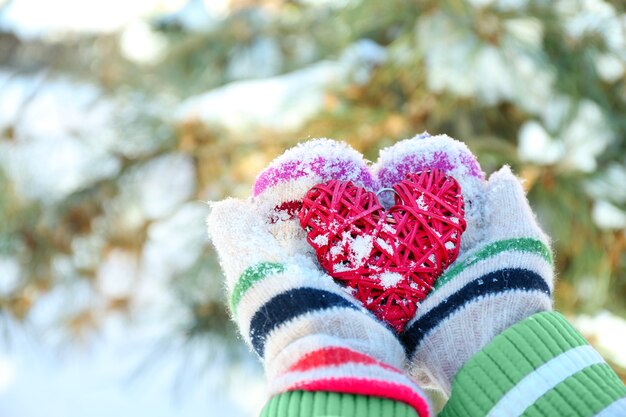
(387, 259)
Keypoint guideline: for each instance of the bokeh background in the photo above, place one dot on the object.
(119, 119)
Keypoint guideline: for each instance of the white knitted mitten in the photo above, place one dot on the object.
(503, 274)
(309, 332)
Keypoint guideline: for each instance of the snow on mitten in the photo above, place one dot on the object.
(425, 152)
(279, 188)
(315, 340)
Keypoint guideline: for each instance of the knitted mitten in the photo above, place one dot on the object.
(486, 334)
(323, 353)
(503, 273)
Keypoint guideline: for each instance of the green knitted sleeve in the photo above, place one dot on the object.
(332, 404)
(540, 367)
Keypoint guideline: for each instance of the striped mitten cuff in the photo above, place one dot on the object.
(538, 367)
(312, 336)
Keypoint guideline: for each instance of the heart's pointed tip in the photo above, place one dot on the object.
(398, 327)
(397, 324)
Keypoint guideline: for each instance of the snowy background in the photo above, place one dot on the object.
(119, 119)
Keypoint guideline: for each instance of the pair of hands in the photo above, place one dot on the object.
(289, 310)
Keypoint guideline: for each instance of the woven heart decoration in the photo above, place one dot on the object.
(387, 259)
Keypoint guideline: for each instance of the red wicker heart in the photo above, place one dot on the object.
(388, 259)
